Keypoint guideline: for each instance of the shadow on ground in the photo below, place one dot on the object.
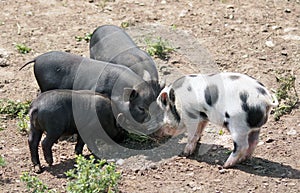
(59, 169)
(213, 155)
(255, 165)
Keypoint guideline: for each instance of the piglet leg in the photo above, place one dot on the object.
(240, 142)
(194, 136)
(47, 144)
(253, 141)
(79, 145)
(34, 139)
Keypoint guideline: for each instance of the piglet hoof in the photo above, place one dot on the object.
(231, 161)
(37, 169)
(188, 150)
(228, 165)
(49, 160)
(78, 151)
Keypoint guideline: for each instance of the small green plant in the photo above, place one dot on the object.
(2, 161)
(139, 138)
(34, 184)
(125, 24)
(158, 47)
(90, 176)
(286, 95)
(86, 37)
(23, 49)
(221, 132)
(23, 122)
(12, 108)
(173, 27)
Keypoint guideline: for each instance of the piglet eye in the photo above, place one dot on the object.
(142, 109)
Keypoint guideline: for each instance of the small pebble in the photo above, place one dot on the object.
(110, 160)
(275, 27)
(120, 162)
(153, 166)
(260, 143)
(269, 140)
(270, 43)
(230, 7)
(292, 132)
(284, 53)
(63, 157)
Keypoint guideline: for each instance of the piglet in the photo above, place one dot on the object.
(58, 112)
(112, 44)
(232, 100)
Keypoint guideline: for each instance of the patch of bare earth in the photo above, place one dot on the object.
(258, 38)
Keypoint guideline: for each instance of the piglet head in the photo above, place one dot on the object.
(172, 119)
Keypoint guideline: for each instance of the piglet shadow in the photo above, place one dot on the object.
(58, 170)
(257, 166)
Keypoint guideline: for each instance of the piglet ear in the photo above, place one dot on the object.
(164, 98)
(162, 84)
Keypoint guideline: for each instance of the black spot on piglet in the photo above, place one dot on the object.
(261, 90)
(172, 95)
(225, 123)
(227, 115)
(261, 83)
(244, 96)
(175, 112)
(234, 147)
(211, 94)
(234, 77)
(245, 107)
(203, 115)
(255, 117)
(191, 115)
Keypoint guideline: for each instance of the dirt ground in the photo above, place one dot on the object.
(259, 39)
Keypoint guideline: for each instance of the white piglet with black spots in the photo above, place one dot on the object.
(236, 101)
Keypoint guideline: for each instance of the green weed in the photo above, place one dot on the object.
(33, 184)
(23, 49)
(221, 132)
(125, 24)
(2, 161)
(286, 95)
(86, 37)
(139, 138)
(173, 26)
(12, 108)
(158, 47)
(90, 176)
(23, 122)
